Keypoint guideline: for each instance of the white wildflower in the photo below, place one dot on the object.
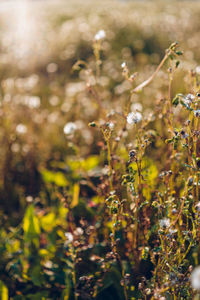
(172, 231)
(52, 67)
(111, 125)
(100, 35)
(69, 128)
(137, 107)
(165, 223)
(134, 118)
(69, 237)
(33, 102)
(188, 99)
(123, 65)
(21, 129)
(195, 278)
(198, 69)
(78, 231)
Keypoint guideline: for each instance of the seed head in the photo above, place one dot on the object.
(134, 118)
(100, 35)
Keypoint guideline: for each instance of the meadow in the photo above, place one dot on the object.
(99, 150)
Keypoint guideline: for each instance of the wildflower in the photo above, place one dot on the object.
(69, 237)
(21, 129)
(198, 70)
(29, 199)
(52, 67)
(197, 113)
(111, 125)
(123, 65)
(69, 128)
(188, 99)
(165, 223)
(172, 231)
(134, 118)
(195, 278)
(100, 35)
(33, 102)
(136, 106)
(78, 231)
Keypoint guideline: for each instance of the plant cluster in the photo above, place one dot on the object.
(112, 206)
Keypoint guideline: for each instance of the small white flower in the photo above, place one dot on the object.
(111, 125)
(123, 65)
(33, 102)
(134, 118)
(69, 128)
(69, 237)
(188, 99)
(137, 107)
(165, 223)
(195, 278)
(21, 129)
(198, 69)
(78, 231)
(172, 231)
(100, 35)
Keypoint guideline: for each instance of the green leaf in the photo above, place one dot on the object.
(54, 177)
(48, 221)
(175, 101)
(75, 199)
(36, 275)
(3, 291)
(31, 225)
(85, 164)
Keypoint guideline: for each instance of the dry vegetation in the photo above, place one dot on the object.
(100, 151)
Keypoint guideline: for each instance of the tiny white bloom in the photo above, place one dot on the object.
(123, 65)
(195, 278)
(165, 223)
(172, 231)
(34, 102)
(111, 125)
(198, 69)
(100, 35)
(69, 237)
(190, 97)
(134, 118)
(78, 231)
(137, 107)
(69, 128)
(21, 129)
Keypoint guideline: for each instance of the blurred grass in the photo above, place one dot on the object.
(63, 33)
(50, 182)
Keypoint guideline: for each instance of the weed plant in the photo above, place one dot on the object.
(113, 208)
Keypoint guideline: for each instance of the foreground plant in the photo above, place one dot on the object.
(124, 223)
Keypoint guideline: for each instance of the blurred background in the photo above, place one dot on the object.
(40, 41)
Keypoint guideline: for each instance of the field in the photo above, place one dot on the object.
(99, 150)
